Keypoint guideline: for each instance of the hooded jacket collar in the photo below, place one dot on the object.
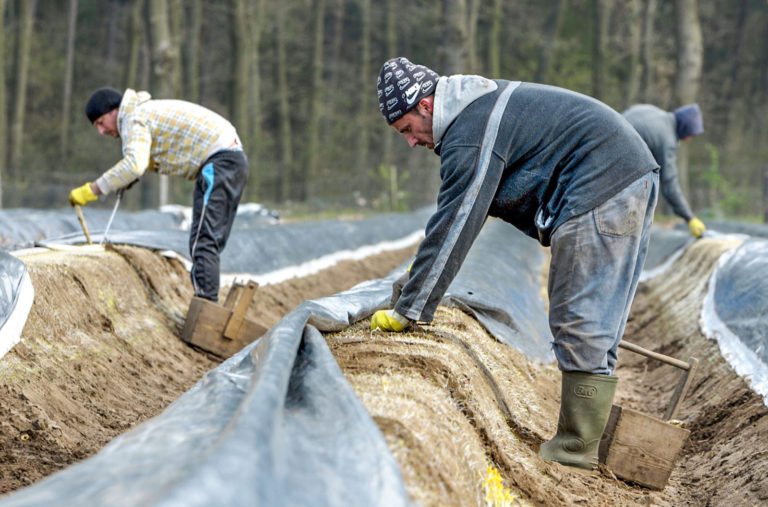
(452, 95)
(131, 100)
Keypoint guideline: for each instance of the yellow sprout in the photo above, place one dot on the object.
(496, 495)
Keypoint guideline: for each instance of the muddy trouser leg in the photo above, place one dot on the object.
(597, 258)
(219, 186)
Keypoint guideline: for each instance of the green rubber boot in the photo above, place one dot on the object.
(585, 405)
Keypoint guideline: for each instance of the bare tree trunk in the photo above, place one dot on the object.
(286, 146)
(312, 172)
(365, 94)
(473, 60)
(176, 27)
(389, 134)
(136, 28)
(494, 45)
(3, 111)
(255, 14)
(551, 33)
(67, 98)
(646, 79)
(730, 79)
(602, 10)
(633, 76)
(164, 53)
(453, 50)
(689, 61)
(164, 61)
(192, 51)
(26, 22)
(241, 68)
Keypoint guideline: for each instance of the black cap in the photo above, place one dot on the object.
(101, 102)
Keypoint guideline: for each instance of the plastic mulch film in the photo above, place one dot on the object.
(278, 424)
(16, 296)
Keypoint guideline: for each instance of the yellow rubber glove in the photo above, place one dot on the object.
(81, 196)
(389, 320)
(697, 227)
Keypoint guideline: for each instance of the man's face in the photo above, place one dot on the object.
(107, 124)
(416, 126)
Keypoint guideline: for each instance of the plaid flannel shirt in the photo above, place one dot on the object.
(165, 136)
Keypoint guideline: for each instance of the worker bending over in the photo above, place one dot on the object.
(565, 169)
(182, 139)
(662, 132)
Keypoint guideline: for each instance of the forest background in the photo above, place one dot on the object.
(297, 78)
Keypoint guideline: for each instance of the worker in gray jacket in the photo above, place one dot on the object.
(662, 131)
(564, 168)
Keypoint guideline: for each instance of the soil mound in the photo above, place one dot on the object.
(100, 351)
(462, 413)
(457, 407)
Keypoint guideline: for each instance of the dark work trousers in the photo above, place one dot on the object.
(219, 186)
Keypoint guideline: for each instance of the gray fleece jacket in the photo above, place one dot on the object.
(532, 155)
(658, 128)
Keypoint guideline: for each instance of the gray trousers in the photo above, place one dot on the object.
(219, 186)
(597, 258)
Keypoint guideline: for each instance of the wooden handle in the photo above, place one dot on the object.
(82, 222)
(655, 355)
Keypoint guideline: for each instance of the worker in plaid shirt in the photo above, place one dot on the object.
(178, 138)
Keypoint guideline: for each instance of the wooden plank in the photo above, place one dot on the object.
(641, 449)
(233, 295)
(234, 327)
(205, 325)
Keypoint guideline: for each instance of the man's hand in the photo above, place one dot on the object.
(697, 227)
(81, 196)
(389, 320)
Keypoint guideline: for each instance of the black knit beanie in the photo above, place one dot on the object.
(402, 85)
(101, 102)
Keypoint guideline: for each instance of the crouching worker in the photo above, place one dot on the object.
(568, 171)
(182, 139)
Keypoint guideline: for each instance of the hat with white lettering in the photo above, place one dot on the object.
(402, 85)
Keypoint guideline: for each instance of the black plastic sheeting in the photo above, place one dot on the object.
(21, 228)
(277, 424)
(262, 248)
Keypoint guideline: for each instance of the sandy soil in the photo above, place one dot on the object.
(100, 352)
(457, 407)
(463, 414)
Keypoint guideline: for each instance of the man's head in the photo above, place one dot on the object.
(102, 108)
(689, 122)
(406, 93)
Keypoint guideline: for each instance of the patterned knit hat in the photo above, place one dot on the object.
(689, 121)
(402, 85)
(101, 102)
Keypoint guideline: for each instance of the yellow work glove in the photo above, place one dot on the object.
(697, 227)
(389, 320)
(82, 195)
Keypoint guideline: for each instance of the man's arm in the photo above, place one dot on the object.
(465, 196)
(135, 161)
(670, 186)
